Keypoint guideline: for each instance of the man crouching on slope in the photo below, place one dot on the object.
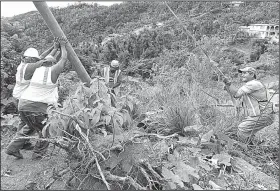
(33, 104)
(253, 98)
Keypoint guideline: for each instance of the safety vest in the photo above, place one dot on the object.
(115, 79)
(21, 83)
(41, 88)
(107, 75)
(256, 102)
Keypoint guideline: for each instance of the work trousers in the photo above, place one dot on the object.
(21, 123)
(251, 125)
(34, 124)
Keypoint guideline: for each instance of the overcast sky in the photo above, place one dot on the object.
(11, 8)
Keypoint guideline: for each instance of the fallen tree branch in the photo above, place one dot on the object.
(81, 183)
(146, 176)
(95, 158)
(223, 105)
(156, 135)
(148, 165)
(128, 179)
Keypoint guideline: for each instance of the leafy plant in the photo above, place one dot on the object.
(91, 108)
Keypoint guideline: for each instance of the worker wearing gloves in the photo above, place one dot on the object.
(29, 62)
(34, 101)
(253, 99)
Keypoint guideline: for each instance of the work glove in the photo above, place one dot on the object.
(62, 41)
(56, 43)
(226, 80)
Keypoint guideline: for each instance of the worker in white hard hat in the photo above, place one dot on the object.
(25, 71)
(39, 95)
(113, 79)
(112, 75)
(30, 61)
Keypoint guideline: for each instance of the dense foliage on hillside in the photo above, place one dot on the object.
(173, 129)
(87, 26)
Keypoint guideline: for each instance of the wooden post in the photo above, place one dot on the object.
(53, 25)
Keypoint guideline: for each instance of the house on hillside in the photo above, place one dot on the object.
(233, 3)
(236, 3)
(159, 24)
(262, 31)
(147, 27)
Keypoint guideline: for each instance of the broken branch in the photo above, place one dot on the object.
(156, 135)
(128, 179)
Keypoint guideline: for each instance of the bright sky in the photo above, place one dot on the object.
(11, 8)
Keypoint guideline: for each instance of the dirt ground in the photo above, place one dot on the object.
(27, 174)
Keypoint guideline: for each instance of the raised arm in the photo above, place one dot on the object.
(57, 55)
(30, 69)
(57, 68)
(52, 50)
(230, 88)
(232, 91)
(44, 54)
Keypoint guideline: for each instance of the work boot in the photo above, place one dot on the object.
(28, 146)
(40, 150)
(16, 154)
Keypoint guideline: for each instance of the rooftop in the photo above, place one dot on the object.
(262, 24)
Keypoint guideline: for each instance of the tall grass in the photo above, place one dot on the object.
(179, 92)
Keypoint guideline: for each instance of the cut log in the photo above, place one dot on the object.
(54, 27)
(243, 166)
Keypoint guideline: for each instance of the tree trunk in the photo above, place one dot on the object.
(51, 22)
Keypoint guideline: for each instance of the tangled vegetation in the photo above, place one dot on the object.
(150, 140)
(172, 129)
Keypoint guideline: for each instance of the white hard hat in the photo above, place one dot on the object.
(115, 63)
(248, 69)
(31, 52)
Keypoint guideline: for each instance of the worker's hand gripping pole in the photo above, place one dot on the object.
(51, 22)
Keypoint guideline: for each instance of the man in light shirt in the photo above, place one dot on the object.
(253, 98)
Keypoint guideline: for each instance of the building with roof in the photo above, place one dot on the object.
(233, 3)
(262, 31)
(236, 3)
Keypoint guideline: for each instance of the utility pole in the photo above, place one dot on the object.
(54, 27)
